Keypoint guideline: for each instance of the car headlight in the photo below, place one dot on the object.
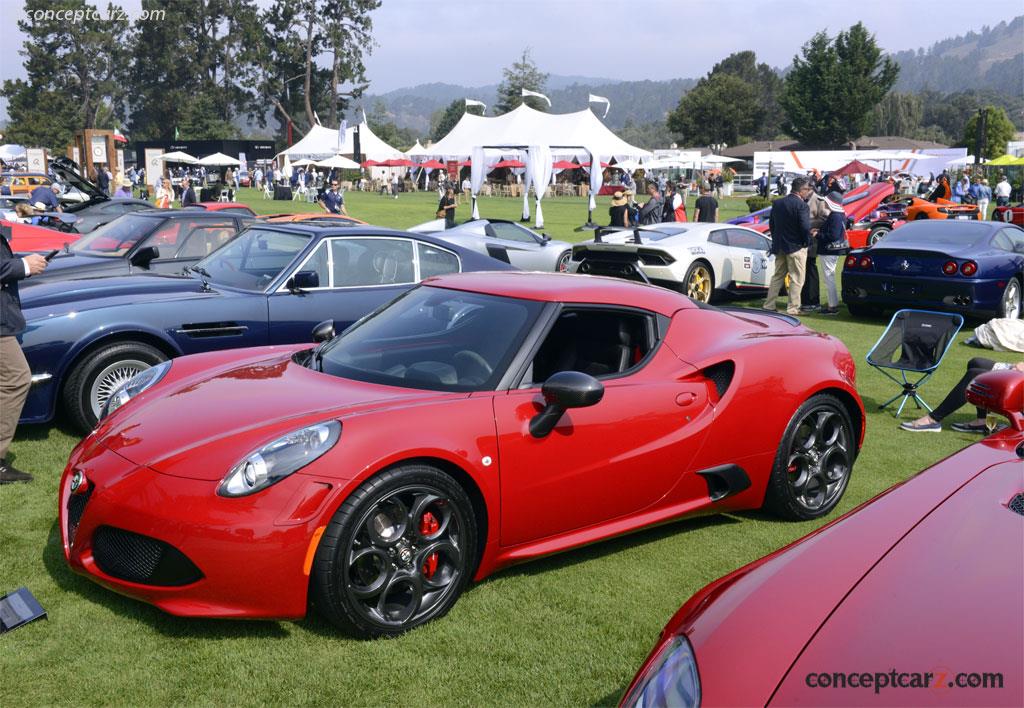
(135, 385)
(670, 680)
(278, 459)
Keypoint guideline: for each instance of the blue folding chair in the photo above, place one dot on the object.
(914, 344)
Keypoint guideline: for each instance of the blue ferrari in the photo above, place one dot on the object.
(272, 284)
(971, 267)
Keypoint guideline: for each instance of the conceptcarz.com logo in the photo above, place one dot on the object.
(939, 679)
(93, 14)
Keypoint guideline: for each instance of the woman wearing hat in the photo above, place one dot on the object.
(619, 210)
(832, 244)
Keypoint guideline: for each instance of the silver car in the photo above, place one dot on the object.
(506, 241)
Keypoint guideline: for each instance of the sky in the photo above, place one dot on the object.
(468, 42)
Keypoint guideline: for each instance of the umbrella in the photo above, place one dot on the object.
(397, 162)
(178, 156)
(507, 163)
(854, 168)
(303, 162)
(219, 159)
(432, 165)
(1003, 160)
(339, 162)
(371, 163)
(564, 165)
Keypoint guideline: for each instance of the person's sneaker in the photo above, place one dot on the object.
(9, 474)
(829, 311)
(921, 427)
(810, 308)
(969, 428)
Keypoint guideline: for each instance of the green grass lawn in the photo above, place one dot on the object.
(568, 630)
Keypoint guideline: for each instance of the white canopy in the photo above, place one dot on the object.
(178, 156)
(219, 159)
(416, 150)
(718, 159)
(338, 161)
(321, 143)
(303, 162)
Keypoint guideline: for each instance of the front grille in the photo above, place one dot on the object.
(1017, 504)
(141, 559)
(75, 509)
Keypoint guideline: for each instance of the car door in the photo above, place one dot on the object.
(725, 261)
(749, 252)
(356, 275)
(604, 461)
(513, 244)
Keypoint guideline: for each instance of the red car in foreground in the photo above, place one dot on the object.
(26, 238)
(914, 598)
(477, 421)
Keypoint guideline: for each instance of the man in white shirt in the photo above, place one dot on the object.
(1002, 191)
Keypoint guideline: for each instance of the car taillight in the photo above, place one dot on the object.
(949, 268)
(969, 268)
(865, 262)
(851, 261)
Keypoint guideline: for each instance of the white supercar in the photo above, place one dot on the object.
(696, 259)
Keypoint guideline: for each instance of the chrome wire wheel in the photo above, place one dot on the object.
(406, 557)
(698, 283)
(111, 378)
(820, 459)
(1010, 305)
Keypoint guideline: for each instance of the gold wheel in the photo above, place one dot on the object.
(698, 283)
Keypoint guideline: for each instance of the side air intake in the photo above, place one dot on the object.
(1016, 504)
(720, 375)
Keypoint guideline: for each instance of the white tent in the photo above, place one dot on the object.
(178, 156)
(416, 150)
(219, 159)
(321, 143)
(534, 135)
(342, 163)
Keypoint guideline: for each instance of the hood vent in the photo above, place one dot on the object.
(1016, 504)
(204, 330)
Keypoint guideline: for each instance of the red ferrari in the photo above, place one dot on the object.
(475, 422)
(914, 598)
(1009, 214)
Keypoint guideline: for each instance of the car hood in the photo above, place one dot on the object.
(200, 421)
(948, 598)
(50, 298)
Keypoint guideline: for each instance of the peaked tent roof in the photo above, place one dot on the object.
(321, 143)
(564, 133)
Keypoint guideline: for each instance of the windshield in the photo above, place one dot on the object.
(434, 339)
(254, 259)
(938, 232)
(115, 238)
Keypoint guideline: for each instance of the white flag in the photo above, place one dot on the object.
(472, 102)
(316, 118)
(528, 92)
(342, 135)
(601, 99)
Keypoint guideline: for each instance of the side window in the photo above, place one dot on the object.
(372, 261)
(1011, 240)
(597, 342)
(318, 263)
(435, 261)
(510, 232)
(739, 238)
(720, 237)
(205, 240)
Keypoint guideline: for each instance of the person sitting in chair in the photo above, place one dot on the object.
(957, 398)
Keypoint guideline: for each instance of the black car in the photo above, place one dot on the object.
(99, 208)
(152, 241)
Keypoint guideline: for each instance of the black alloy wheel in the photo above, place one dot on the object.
(398, 553)
(814, 461)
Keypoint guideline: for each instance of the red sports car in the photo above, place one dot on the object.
(915, 598)
(1009, 214)
(26, 238)
(475, 422)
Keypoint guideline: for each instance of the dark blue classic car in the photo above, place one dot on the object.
(270, 285)
(156, 241)
(971, 267)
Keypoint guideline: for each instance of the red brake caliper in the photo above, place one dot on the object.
(429, 525)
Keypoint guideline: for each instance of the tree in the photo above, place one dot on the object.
(523, 74)
(831, 90)
(347, 26)
(766, 83)
(384, 128)
(721, 108)
(999, 130)
(897, 114)
(442, 122)
(75, 71)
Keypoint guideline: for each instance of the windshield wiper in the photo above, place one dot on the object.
(198, 269)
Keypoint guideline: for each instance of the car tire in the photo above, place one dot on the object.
(699, 282)
(1010, 302)
(815, 459)
(374, 574)
(877, 234)
(562, 264)
(863, 310)
(99, 374)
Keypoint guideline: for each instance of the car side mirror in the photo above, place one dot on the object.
(324, 331)
(1000, 392)
(544, 239)
(303, 280)
(562, 391)
(144, 256)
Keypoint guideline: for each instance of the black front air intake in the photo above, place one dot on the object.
(141, 559)
(1016, 504)
(75, 509)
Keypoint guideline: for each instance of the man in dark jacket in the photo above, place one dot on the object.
(15, 376)
(188, 195)
(790, 225)
(651, 212)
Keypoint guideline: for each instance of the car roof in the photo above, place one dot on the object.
(179, 213)
(564, 287)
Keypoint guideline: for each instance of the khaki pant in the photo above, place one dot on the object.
(791, 264)
(15, 379)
